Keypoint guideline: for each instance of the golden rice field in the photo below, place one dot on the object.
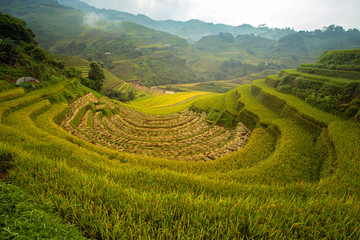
(252, 163)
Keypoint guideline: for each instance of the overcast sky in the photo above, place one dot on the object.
(298, 14)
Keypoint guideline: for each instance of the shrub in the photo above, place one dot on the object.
(341, 57)
(351, 111)
(8, 52)
(75, 73)
(39, 54)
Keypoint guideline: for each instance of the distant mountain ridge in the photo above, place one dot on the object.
(192, 30)
(134, 52)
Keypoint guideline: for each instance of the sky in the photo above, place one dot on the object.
(299, 14)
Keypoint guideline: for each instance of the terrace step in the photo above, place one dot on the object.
(185, 135)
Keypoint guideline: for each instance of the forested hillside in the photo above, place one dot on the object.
(130, 51)
(148, 57)
(288, 52)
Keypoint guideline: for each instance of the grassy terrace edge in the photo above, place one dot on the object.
(305, 110)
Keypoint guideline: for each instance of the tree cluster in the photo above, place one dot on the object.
(15, 29)
(120, 96)
(235, 68)
(96, 77)
(226, 37)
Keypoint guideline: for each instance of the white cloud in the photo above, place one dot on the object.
(305, 14)
(93, 18)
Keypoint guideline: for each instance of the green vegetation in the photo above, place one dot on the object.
(250, 53)
(21, 57)
(220, 86)
(277, 102)
(333, 89)
(212, 87)
(15, 29)
(343, 57)
(130, 51)
(21, 217)
(111, 84)
(246, 54)
(96, 75)
(323, 70)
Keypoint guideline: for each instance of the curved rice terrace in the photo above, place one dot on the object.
(116, 170)
(184, 135)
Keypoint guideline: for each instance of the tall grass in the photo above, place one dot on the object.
(15, 92)
(22, 218)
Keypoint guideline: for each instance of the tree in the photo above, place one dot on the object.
(39, 54)
(96, 74)
(15, 29)
(131, 95)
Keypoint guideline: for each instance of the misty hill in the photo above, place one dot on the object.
(54, 23)
(289, 51)
(131, 51)
(51, 21)
(192, 30)
(252, 44)
(135, 52)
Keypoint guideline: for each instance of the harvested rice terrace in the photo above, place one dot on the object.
(185, 135)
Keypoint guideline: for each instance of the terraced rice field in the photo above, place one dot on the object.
(75, 62)
(185, 135)
(117, 171)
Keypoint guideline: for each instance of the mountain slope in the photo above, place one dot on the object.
(131, 51)
(50, 20)
(137, 53)
(191, 30)
(291, 50)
